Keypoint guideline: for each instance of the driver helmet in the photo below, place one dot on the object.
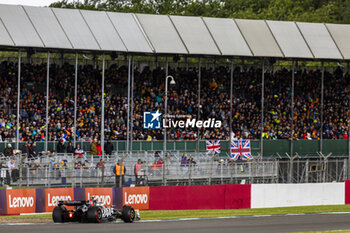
(92, 200)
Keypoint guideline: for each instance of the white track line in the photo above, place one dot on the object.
(35, 213)
(191, 219)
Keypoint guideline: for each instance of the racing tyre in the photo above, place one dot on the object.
(58, 214)
(94, 214)
(128, 214)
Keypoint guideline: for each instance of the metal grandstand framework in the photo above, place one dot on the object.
(83, 30)
(78, 31)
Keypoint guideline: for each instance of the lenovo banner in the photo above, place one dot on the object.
(104, 195)
(20, 201)
(138, 197)
(53, 195)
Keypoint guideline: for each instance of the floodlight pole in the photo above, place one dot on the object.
(165, 117)
(75, 99)
(132, 103)
(348, 70)
(262, 109)
(166, 66)
(322, 96)
(128, 108)
(348, 163)
(47, 100)
(231, 104)
(61, 59)
(103, 107)
(18, 97)
(199, 100)
(292, 113)
(165, 122)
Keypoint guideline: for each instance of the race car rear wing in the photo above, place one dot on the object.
(73, 203)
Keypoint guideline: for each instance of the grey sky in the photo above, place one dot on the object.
(29, 2)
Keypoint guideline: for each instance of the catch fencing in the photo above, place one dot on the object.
(279, 148)
(66, 170)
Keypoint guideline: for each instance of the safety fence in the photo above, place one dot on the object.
(67, 170)
(271, 148)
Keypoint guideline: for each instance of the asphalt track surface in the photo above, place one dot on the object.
(290, 223)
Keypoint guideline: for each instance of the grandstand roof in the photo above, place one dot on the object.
(71, 29)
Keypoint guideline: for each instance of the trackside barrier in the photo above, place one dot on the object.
(347, 192)
(200, 197)
(284, 195)
(17, 201)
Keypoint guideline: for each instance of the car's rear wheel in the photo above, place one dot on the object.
(94, 214)
(58, 214)
(128, 214)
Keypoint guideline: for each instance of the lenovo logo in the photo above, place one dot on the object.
(135, 199)
(138, 197)
(53, 201)
(21, 202)
(105, 199)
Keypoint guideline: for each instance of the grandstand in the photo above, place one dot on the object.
(297, 113)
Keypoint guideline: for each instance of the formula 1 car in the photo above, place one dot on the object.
(91, 211)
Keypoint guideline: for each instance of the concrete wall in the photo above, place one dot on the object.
(283, 195)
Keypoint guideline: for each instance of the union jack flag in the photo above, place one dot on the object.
(213, 146)
(241, 148)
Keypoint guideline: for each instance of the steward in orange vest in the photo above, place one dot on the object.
(119, 171)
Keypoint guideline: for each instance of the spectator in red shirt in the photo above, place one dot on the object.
(99, 148)
(78, 151)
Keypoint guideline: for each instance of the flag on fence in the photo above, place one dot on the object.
(241, 148)
(213, 147)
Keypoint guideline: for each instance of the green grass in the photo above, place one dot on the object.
(43, 216)
(174, 214)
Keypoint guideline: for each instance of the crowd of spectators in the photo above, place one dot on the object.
(182, 100)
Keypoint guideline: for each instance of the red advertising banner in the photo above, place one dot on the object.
(137, 197)
(20, 201)
(187, 197)
(53, 195)
(104, 195)
(237, 196)
(200, 197)
(347, 192)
